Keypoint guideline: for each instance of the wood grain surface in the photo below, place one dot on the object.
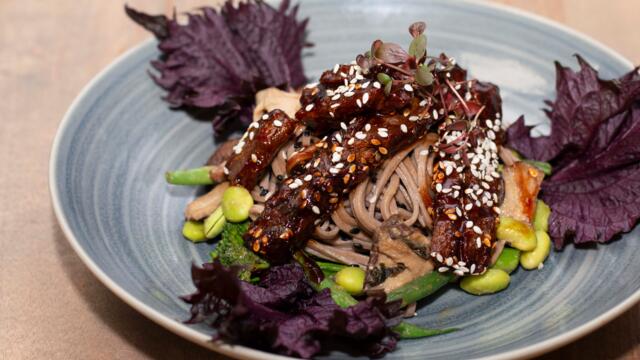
(51, 307)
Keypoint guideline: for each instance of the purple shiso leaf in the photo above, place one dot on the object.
(284, 314)
(220, 59)
(594, 147)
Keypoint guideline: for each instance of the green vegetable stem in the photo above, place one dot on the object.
(339, 295)
(420, 287)
(410, 331)
(197, 176)
(330, 268)
(508, 260)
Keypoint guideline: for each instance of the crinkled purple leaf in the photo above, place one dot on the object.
(283, 314)
(583, 102)
(220, 59)
(594, 147)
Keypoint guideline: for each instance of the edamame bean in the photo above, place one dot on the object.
(236, 203)
(508, 260)
(492, 281)
(351, 279)
(194, 231)
(541, 217)
(532, 259)
(214, 224)
(517, 233)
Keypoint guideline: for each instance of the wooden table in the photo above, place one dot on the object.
(50, 305)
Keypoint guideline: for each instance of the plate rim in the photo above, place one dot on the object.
(239, 351)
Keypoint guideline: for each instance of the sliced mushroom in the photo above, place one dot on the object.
(206, 204)
(521, 186)
(400, 254)
(274, 98)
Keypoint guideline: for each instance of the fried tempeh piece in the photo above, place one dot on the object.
(258, 146)
(341, 162)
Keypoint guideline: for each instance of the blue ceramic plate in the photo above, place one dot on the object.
(119, 137)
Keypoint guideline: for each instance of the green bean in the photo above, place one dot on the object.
(410, 331)
(194, 231)
(517, 233)
(492, 281)
(351, 278)
(508, 260)
(339, 295)
(329, 267)
(214, 224)
(545, 167)
(197, 176)
(533, 259)
(420, 287)
(236, 203)
(384, 78)
(541, 217)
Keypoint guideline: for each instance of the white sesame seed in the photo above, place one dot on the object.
(308, 177)
(359, 103)
(254, 158)
(336, 68)
(468, 207)
(458, 272)
(339, 165)
(334, 97)
(367, 127)
(360, 135)
(446, 191)
(333, 106)
(343, 126)
(449, 261)
(423, 102)
(473, 268)
(225, 170)
(435, 114)
(458, 211)
(443, 269)
(403, 128)
(334, 170)
(365, 98)
(315, 209)
(351, 141)
(310, 107)
(376, 85)
(408, 87)
(251, 135)
(339, 137)
(496, 210)
(478, 242)
(293, 185)
(349, 94)
(540, 266)
(414, 118)
(477, 229)
(448, 170)
(438, 187)
(365, 85)
(277, 123)
(439, 258)
(491, 135)
(469, 224)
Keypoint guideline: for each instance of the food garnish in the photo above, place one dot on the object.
(214, 65)
(594, 148)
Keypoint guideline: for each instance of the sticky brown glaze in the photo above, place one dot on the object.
(258, 146)
(345, 92)
(340, 163)
(466, 183)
